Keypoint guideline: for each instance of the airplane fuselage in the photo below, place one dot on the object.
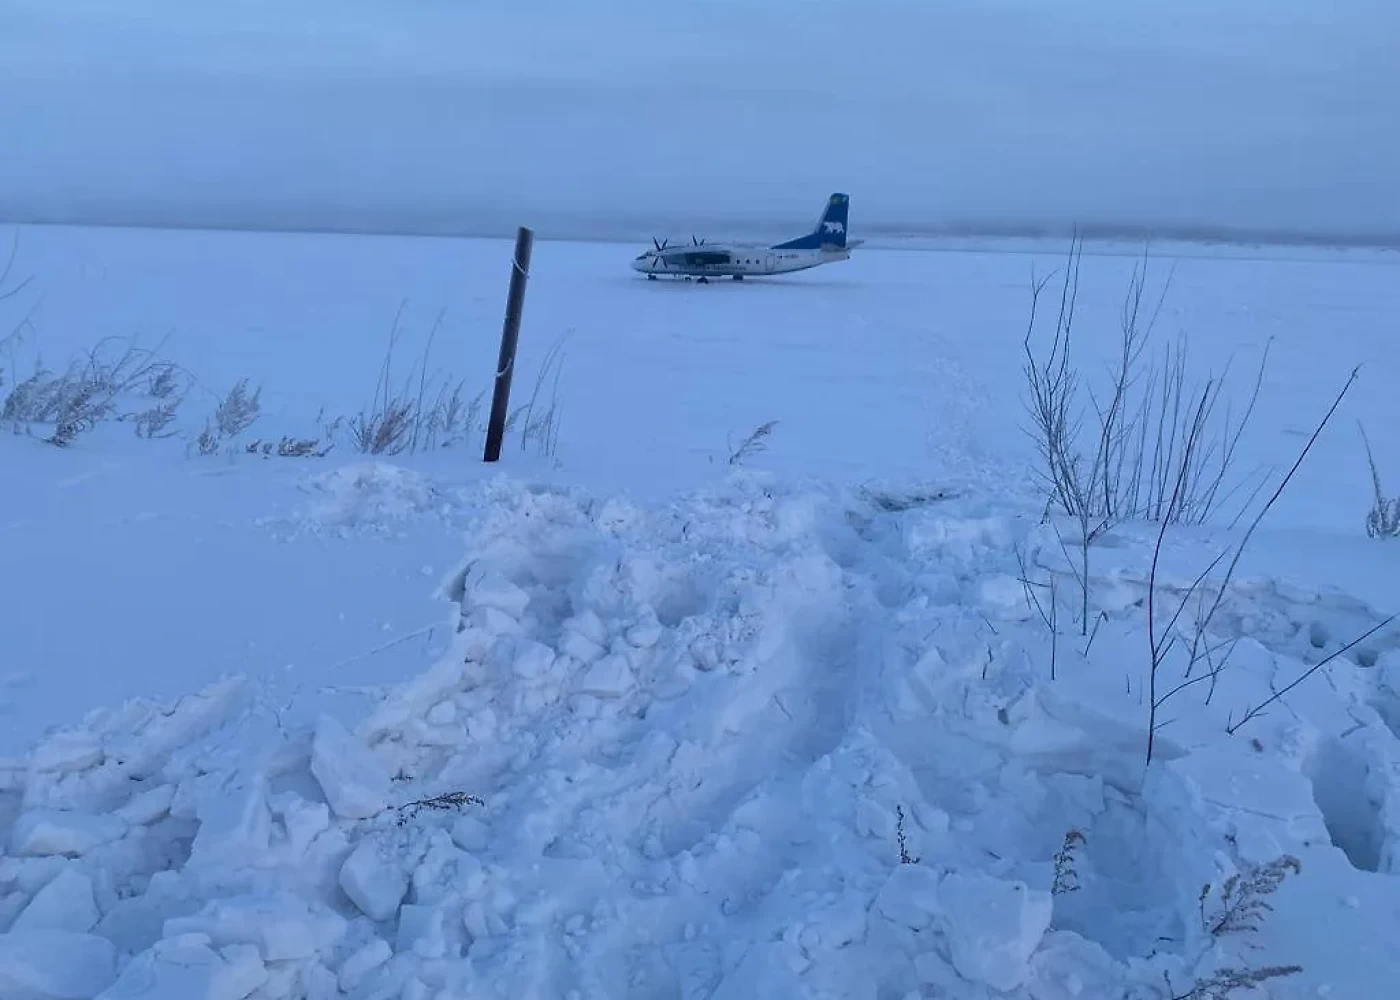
(732, 260)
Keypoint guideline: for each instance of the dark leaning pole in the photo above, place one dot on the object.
(510, 338)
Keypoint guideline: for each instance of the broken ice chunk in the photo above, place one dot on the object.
(356, 784)
(491, 589)
(55, 965)
(585, 636)
(283, 927)
(646, 632)
(374, 880)
(65, 904)
(531, 659)
(993, 927)
(235, 824)
(148, 806)
(66, 752)
(363, 962)
(444, 713)
(610, 677)
(910, 897)
(188, 968)
(42, 832)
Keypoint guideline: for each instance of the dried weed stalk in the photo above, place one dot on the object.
(1066, 877)
(428, 411)
(1383, 519)
(1241, 907)
(88, 392)
(447, 802)
(905, 858)
(756, 442)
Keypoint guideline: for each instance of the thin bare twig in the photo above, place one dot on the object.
(1257, 710)
(1157, 647)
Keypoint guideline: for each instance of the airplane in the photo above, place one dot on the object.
(702, 261)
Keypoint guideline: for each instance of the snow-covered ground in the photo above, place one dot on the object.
(623, 718)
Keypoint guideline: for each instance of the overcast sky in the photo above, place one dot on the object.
(633, 114)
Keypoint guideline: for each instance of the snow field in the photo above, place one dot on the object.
(893, 365)
(694, 732)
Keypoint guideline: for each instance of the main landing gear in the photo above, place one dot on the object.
(703, 279)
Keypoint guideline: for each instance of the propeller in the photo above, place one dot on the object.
(660, 244)
(696, 242)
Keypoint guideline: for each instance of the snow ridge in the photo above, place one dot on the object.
(766, 740)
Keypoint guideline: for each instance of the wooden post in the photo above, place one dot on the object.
(510, 337)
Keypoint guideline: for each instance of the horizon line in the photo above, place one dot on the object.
(560, 229)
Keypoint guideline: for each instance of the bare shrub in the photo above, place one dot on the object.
(1383, 519)
(1152, 446)
(1128, 462)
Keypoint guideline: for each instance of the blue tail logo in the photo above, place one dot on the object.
(830, 230)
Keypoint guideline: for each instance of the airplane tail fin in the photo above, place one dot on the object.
(830, 230)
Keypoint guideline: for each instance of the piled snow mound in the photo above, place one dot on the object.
(369, 497)
(758, 742)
